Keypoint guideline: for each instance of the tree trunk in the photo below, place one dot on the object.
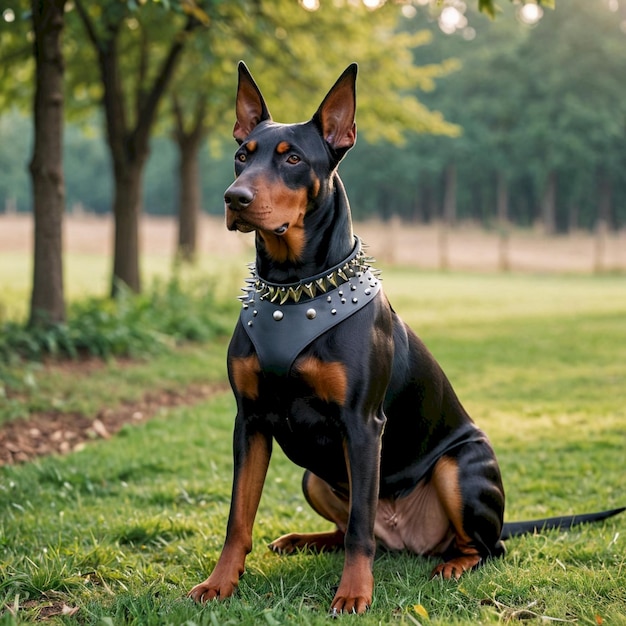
(129, 145)
(603, 223)
(46, 167)
(572, 217)
(548, 205)
(449, 198)
(190, 190)
(127, 203)
(449, 215)
(502, 209)
(189, 204)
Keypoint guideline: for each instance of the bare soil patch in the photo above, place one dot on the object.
(56, 432)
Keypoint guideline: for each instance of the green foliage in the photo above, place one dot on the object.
(169, 313)
(530, 101)
(124, 528)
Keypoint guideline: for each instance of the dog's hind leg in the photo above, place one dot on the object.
(330, 506)
(470, 490)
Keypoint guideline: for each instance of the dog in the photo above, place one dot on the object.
(320, 362)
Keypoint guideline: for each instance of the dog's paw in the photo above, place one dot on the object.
(356, 600)
(288, 544)
(455, 568)
(317, 542)
(212, 590)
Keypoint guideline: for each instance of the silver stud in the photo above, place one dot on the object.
(340, 292)
(355, 300)
(333, 311)
(278, 315)
(343, 300)
(250, 323)
(329, 299)
(311, 314)
(368, 292)
(352, 287)
(255, 313)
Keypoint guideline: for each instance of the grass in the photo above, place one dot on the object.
(122, 529)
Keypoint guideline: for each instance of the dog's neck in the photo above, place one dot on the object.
(328, 239)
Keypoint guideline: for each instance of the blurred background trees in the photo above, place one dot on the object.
(517, 121)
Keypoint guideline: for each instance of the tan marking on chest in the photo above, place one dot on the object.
(329, 381)
(245, 373)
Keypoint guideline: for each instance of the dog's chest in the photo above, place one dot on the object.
(309, 431)
(282, 320)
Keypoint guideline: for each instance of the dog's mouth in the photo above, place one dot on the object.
(244, 226)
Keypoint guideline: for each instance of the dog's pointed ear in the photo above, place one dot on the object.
(335, 116)
(250, 107)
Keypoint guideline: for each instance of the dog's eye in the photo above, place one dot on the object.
(293, 159)
(241, 157)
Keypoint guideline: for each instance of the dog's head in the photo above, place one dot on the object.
(283, 170)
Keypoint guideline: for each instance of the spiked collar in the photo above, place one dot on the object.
(282, 319)
(313, 286)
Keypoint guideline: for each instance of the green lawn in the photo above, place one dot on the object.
(122, 529)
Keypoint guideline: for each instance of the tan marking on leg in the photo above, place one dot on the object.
(245, 372)
(327, 502)
(247, 490)
(446, 482)
(330, 506)
(356, 587)
(318, 542)
(329, 381)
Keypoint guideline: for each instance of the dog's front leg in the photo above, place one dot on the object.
(252, 453)
(362, 454)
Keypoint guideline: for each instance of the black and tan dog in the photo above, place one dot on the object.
(320, 362)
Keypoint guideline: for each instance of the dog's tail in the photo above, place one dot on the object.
(515, 529)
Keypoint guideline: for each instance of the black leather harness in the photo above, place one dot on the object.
(282, 319)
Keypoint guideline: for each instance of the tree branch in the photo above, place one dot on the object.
(89, 25)
(147, 114)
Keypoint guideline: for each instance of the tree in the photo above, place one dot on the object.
(46, 166)
(288, 46)
(114, 29)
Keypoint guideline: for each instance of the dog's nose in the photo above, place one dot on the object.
(238, 198)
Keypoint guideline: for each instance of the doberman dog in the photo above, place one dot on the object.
(321, 362)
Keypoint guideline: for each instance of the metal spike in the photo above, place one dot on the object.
(321, 285)
(284, 295)
(309, 289)
(274, 293)
(332, 279)
(295, 293)
(342, 274)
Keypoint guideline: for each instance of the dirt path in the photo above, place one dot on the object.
(55, 432)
